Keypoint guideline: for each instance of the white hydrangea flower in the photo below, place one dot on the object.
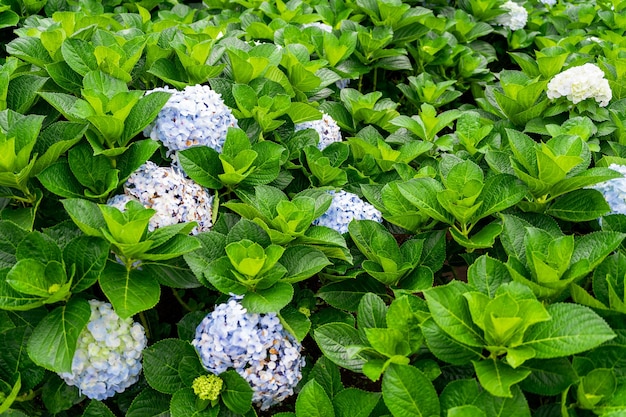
(176, 198)
(580, 83)
(548, 2)
(614, 190)
(256, 346)
(326, 127)
(344, 208)
(108, 354)
(515, 18)
(322, 26)
(195, 116)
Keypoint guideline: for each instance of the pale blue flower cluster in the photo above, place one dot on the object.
(108, 354)
(176, 198)
(344, 208)
(614, 191)
(194, 116)
(326, 127)
(255, 345)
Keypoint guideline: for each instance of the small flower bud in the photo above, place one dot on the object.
(207, 387)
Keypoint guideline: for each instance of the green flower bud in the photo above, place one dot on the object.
(207, 387)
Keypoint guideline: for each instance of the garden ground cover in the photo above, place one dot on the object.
(312, 208)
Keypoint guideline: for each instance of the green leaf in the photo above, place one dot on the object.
(334, 339)
(347, 294)
(549, 376)
(10, 237)
(58, 179)
(407, 392)
(497, 377)
(579, 206)
(23, 92)
(487, 274)
(404, 315)
(295, 322)
(302, 262)
(79, 55)
(184, 404)
(268, 300)
(57, 396)
(142, 114)
(149, 403)
(237, 394)
(162, 364)
(445, 348)
(88, 255)
(353, 402)
(32, 277)
(449, 310)
(572, 329)
(97, 409)
(54, 141)
(86, 215)
(326, 373)
(312, 401)
(14, 358)
(60, 328)
(202, 164)
(371, 313)
(8, 400)
(129, 291)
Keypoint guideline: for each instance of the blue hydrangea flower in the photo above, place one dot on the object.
(108, 355)
(614, 191)
(255, 345)
(176, 198)
(326, 127)
(195, 116)
(344, 208)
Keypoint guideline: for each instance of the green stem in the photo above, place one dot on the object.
(144, 323)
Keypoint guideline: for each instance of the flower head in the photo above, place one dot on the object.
(345, 207)
(207, 387)
(515, 18)
(326, 127)
(108, 354)
(256, 346)
(175, 198)
(614, 190)
(580, 83)
(195, 116)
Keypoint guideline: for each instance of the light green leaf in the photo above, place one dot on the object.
(129, 292)
(334, 339)
(407, 392)
(312, 401)
(497, 377)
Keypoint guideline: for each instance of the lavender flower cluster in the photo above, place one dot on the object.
(255, 345)
(614, 191)
(195, 116)
(344, 208)
(326, 127)
(580, 83)
(108, 355)
(175, 198)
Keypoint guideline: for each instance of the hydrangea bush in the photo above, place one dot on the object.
(312, 208)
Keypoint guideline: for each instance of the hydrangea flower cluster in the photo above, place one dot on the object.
(580, 83)
(175, 198)
(255, 345)
(614, 190)
(108, 354)
(195, 116)
(344, 208)
(326, 127)
(515, 18)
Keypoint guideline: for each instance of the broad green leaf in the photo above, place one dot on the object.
(487, 274)
(497, 377)
(326, 373)
(88, 255)
(129, 291)
(203, 165)
(312, 401)
(142, 114)
(353, 402)
(58, 179)
(97, 409)
(161, 364)
(549, 377)
(578, 206)
(407, 392)
(268, 300)
(422, 192)
(500, 192)
(237, 394)
(59, 329)
(86, 215)
(445, 348)
(334, 340)
(14, 358)
(449, 310)
(302, 262)
(79, 55)
(184, 404)
(295, 322)
(149, 403)
(10, 237)
(572, 329)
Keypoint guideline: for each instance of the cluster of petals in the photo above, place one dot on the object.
(344, 208)
(108, 354)
(194, 116)
(580, 83)
(326, 127)
(515, 17)
(176, 198)
(256, 346)
(614, 190)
